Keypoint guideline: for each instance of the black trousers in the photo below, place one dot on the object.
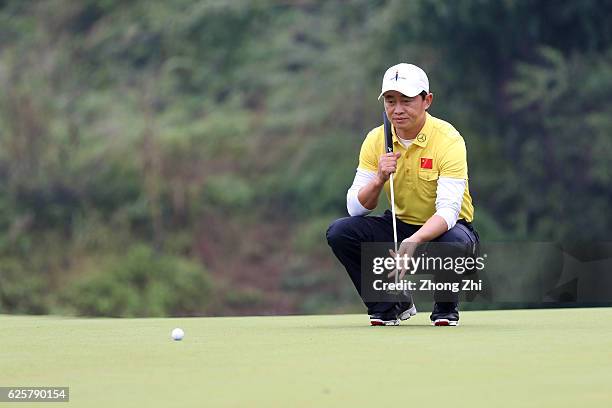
(345, 236)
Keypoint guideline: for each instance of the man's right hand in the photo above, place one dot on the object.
(387, 165)
(368, 195)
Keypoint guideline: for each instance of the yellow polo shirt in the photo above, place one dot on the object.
(437, 151)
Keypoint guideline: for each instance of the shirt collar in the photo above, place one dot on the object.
(424, 135)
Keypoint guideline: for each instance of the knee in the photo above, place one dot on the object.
(338, 231)
(455, 234)
(457, 242)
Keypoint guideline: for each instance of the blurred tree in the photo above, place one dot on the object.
(227, 131)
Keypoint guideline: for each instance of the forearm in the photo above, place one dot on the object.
(449, 197)
(368, 194)
(432, 229)
(353, 205)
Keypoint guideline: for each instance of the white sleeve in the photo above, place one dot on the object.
(449, 197)
(362, 178)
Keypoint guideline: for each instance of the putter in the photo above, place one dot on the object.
(389, 149)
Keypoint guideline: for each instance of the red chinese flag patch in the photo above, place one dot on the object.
(426, 163)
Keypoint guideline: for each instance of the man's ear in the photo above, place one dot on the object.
(428, 100)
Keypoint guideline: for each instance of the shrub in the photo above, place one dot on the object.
(21, 291)
(142, 283)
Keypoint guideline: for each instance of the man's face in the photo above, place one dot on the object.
(406, 112)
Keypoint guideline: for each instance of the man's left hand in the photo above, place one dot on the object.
(406, 249)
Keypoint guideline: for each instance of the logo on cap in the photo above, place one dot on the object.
(396, 77)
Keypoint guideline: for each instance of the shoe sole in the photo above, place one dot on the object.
(380, 322)
(445, 322)
(407, 314)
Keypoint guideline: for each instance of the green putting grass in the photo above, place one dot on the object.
(521, 358)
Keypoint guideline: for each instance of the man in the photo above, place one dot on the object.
(432, 198)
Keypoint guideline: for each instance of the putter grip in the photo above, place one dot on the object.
(388, 134)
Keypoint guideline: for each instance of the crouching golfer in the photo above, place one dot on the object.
(432, 198)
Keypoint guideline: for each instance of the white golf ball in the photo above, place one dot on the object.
(178, 334)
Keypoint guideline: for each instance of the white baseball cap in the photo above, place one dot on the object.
(407, 79)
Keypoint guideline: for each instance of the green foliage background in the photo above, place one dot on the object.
(204, 146)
